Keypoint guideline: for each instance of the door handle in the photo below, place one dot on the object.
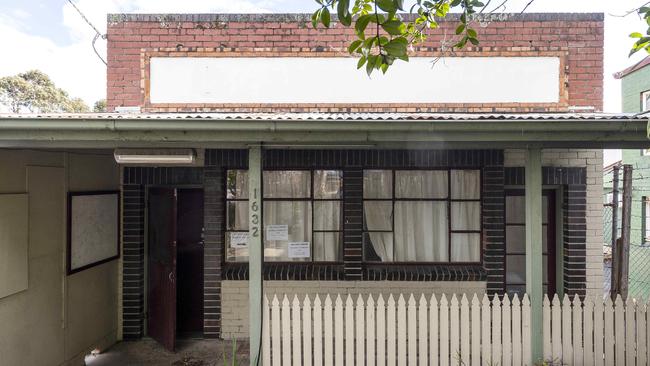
(171, 276)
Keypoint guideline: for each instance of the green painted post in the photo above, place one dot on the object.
(534, 262)
(255, 254)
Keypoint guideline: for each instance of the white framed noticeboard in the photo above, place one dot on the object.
(93, 229)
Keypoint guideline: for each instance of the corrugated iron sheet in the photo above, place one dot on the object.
(329, 116)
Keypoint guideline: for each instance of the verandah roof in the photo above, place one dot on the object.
(107, 130)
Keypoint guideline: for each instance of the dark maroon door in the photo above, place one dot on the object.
(190, 263)
(161, 300)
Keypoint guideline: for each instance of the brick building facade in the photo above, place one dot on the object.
(573, 178)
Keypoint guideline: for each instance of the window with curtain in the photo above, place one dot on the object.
(422, 216)
(301, 216)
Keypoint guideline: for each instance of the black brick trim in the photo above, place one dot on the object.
(494, 228)
(550, 176)
(287, 271)
(135, 179)
(574, 209)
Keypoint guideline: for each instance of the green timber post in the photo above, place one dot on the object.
(534, 261)
(255, 254)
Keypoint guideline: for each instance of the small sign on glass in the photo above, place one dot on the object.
(277, 232)
(239, 240)
(299, 250)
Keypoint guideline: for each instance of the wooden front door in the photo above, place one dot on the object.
(161, 300)
(190, 262)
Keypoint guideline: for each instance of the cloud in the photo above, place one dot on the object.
(75, 67)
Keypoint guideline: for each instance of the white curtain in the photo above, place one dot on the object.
(421, 227)
(327, 216)
(465, 184)
(421, 184)
(295, 214)
(379, 216)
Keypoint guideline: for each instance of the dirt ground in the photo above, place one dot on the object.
(147, 352)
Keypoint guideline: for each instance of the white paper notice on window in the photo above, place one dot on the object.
(299, 250)
(239, 240)
(277, 232)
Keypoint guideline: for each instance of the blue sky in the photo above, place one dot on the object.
(51, 36)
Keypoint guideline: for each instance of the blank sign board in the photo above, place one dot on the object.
(93, 229)
(337, 80)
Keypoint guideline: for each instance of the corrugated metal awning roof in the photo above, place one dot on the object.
(303, 116)
(385, 130)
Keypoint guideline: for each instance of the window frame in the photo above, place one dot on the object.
(311, 199)
(448, 200)
(645, 95)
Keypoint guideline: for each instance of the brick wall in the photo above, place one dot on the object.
(235, 295)
(592, 161)
(576, 38)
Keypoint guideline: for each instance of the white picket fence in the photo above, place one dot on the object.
(437, 331)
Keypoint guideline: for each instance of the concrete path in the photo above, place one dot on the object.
(147, 352)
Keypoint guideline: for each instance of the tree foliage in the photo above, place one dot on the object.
(100, 106)
(384, 34)
(33, 91)
(642, 41)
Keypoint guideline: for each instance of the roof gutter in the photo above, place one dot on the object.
(597, 132)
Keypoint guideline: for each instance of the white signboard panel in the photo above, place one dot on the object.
(337, 80)
(299, 250)
(277, 232)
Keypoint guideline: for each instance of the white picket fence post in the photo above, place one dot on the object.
(450, 331)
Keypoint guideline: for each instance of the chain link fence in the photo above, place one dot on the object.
(639, 268)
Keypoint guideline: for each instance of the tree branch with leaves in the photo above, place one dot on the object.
(383, 32)
(642, 41)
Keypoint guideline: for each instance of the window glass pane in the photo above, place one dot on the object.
(287, 184)
(378, 215)
(378, 247)
(519, 290)
(516, 269)
(515, 239)
(515, 213)
(237, 215)
(421, 231)
(377, 184)
(327, 184)
(327, 215)
(327, 247)
(237, 184)
(421, 184)
(297, 216)
(465, 247)
(466, 216)
(236, 250)
(465, 184)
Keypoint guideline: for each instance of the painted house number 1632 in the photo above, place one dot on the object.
(255, 214)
